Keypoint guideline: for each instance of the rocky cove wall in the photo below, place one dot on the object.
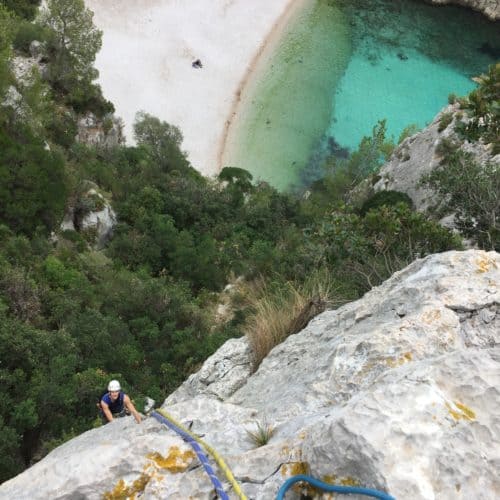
(490, 8)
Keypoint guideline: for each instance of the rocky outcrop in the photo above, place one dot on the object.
(221, 375)
(107, 132)
(490, 8)
(398, 391)
(92, 216)
(420, 154)
(23, 66)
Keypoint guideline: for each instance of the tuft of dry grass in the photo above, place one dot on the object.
(278, 312)
(262, 433)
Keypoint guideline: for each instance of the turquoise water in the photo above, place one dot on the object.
(406, 91)
(345, 64)
(407, 58)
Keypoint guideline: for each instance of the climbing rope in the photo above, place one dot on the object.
(331, 488)
(195, 442)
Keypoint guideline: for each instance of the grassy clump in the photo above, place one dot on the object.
(444, 121)
(278, 311)
(262, 433)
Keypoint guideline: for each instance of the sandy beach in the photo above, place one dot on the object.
(148, 50)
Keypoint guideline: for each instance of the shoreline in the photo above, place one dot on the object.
(145, 63)
(268, 46)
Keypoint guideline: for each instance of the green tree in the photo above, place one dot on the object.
(239, 182)
(77, 40)
(472, 193)
(371, 153)
(7, 31)
(162, 141)
(33, 189)
(72, 51)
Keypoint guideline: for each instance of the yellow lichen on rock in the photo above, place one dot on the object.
(342, 481)
(175, 461)
(298, 468)
(401, 360)
(460, 412)
(123, 492)
(484, 264)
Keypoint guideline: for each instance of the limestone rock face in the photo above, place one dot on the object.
(104, 133)
(490, 8)
(92, 216)
(419, 155)
(220, 376)
(398, 391)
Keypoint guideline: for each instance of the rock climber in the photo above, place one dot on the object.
(115, 404)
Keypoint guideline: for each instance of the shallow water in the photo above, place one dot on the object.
(341, 66)
(287, 107)
(407, 58)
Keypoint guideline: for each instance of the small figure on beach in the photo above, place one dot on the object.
(197, 64)
(402, 56)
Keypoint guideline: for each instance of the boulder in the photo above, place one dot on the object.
(93, 216)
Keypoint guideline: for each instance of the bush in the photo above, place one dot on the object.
(23, 8)
(447, 147)
(444, 121)
(408, 131)
(62, 128)
(85, 96)
(483, 110)
(28, 32)
(472, 192)
(388, 198)
(367, 250)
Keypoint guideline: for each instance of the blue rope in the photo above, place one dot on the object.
(330, 488)
(199, 452)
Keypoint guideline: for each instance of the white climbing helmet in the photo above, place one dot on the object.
(114, 385)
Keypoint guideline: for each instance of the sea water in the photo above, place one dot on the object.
(285, 106)
(343, 65)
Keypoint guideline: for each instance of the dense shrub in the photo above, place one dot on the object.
(26, 33)
(483, 110)
(33, 189)
(471, 192)
(23, 8)
(388, 198)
